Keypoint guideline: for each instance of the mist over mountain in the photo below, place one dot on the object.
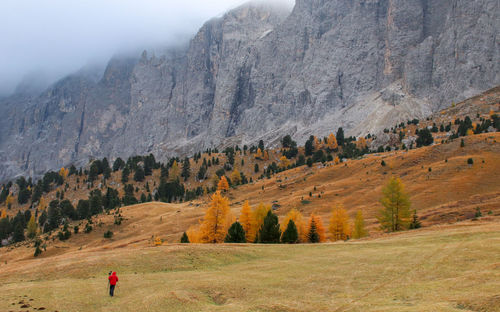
(260, 72)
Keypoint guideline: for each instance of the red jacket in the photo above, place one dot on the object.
(113, 279)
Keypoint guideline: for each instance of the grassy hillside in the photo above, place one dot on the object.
(440, 268)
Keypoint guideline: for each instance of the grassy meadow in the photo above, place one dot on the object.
(441, 268)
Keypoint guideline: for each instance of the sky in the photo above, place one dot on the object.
(52, 38)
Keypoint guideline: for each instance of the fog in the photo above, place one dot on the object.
(41, 41)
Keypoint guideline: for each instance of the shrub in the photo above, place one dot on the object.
(108, 234)
(88, 228)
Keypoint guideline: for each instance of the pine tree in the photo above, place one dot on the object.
(291, 235)
(213, 227)
(185, 238)
(235, 234)
(339, 224)
(125, 174)
(18, 232)
(316, 230)
(139, 174)
(297, 218)
(359, 226)
(223, 185)
(186, 169)
(415, 223)
(396, 213)
(31, 232)
(312, 235)
(340, 136)
(246, 220)
(269, 232)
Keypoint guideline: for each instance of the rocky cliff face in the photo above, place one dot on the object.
(259, 72)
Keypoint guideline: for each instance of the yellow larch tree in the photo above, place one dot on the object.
(246, 220)
(9, 200)
(470, 132)
(317, 144)
(284, 162)
(299, 221)
(266, 155)
(258, 216)
(223, 185)
(215, 223)
(3, 214)
(235, 177)
(174, 171)
(32, 227)
(396, 214)
(359, 226)
(332, 142)
(42, 204)
(340, 227)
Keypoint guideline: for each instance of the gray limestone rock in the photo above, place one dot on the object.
(260, 72)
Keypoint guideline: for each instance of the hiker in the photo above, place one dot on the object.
(112, 283)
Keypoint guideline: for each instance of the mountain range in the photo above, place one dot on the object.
(260, 72)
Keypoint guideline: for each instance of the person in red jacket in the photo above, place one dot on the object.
(112, 283)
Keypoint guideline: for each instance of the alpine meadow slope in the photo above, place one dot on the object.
(259, 72)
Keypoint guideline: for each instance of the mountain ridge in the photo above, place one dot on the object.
(257, 73)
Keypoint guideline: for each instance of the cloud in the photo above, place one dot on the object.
(52, 38)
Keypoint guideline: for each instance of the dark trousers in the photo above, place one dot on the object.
(111, 290)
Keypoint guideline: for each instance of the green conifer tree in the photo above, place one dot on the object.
(270, 231)
(291, 235)
(235, 234)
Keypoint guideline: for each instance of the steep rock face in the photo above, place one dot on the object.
(259, 72)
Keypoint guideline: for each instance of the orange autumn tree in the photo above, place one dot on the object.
(215, 223)
(332, 142)
(4, 214)
(194, 234)
(340, 227)
(316, 230)
(297, 218)
(362, 143)
(337, 160)
(258, 154)
(63, 173)
(246, 220)
(258, 216)
(223, 185)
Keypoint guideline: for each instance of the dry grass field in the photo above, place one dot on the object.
(439, 268)
(451, 264)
